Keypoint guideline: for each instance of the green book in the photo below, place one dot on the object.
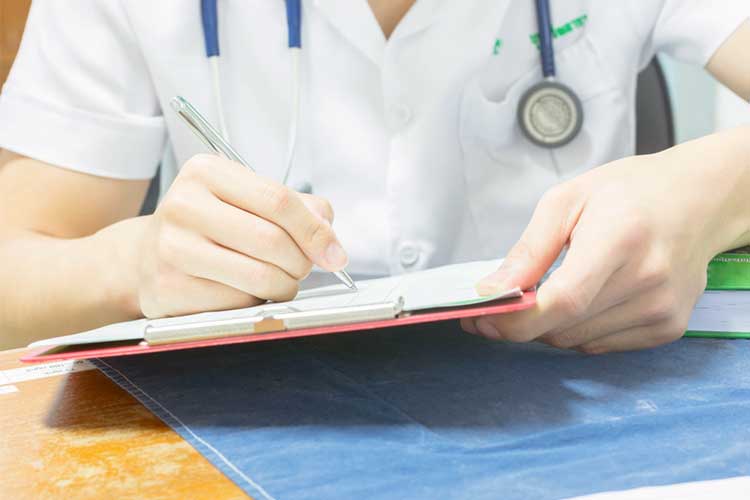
(729, 271)
(724, 310)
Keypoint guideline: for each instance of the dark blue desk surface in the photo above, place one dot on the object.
(427, 412)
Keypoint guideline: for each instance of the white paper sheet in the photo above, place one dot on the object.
(722, 311)
(736, 488)
(433, 288)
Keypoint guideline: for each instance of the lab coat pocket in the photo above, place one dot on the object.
(505, 173)
(504, 176)
(606, 133)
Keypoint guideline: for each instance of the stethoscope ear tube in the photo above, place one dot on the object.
(210, 23)
(210, 20)
(294, 23)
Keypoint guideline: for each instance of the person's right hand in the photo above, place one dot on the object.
(224, 238)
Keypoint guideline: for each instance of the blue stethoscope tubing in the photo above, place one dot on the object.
(544, 22)
(536, 98)
(210, 24)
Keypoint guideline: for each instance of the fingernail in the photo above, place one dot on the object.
(486, 328)
(335, 256)
(494, 283)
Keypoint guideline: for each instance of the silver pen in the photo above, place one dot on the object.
(214, 141)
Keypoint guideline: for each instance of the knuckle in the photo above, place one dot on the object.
(177, 205)
(629, 240)
(569, 299)
(657, 270)
(318, 231)
(664, 307)
(196, 167)
(270, 235)
(636, 231)
(278, 198)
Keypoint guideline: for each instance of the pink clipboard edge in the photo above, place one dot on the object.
(526, 301)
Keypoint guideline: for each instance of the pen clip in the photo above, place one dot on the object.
(206, 132)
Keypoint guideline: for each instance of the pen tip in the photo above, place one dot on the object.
(347, 280)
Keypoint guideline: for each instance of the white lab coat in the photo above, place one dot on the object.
(414, 140)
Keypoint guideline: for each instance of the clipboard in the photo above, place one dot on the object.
(428, 296)
(275, 323)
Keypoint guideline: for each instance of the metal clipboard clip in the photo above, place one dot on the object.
(271, 319)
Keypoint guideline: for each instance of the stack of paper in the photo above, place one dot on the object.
(721, 314)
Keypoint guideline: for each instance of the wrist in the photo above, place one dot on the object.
(738, 215)
(119, 251)
(720, 167)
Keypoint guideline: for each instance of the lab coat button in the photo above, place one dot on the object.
(401, 115)
(409, 255)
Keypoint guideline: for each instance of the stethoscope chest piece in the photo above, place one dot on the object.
(550, 114)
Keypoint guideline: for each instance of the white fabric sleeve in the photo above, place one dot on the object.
(80, 95)
(692, 30)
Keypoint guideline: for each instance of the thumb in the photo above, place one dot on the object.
(541, 243)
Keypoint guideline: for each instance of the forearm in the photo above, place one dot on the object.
(51, 286)
(722, 161)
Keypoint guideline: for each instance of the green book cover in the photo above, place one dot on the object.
(718, 335)
(730, 271)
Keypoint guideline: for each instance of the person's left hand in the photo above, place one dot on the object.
(640, 233)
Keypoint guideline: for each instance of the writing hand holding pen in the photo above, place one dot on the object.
(211, 137)
(224, 237)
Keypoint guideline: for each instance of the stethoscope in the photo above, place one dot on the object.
(210, 22)
(549, 114)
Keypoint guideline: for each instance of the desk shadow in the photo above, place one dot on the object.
(434, 377)
(88, 400)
